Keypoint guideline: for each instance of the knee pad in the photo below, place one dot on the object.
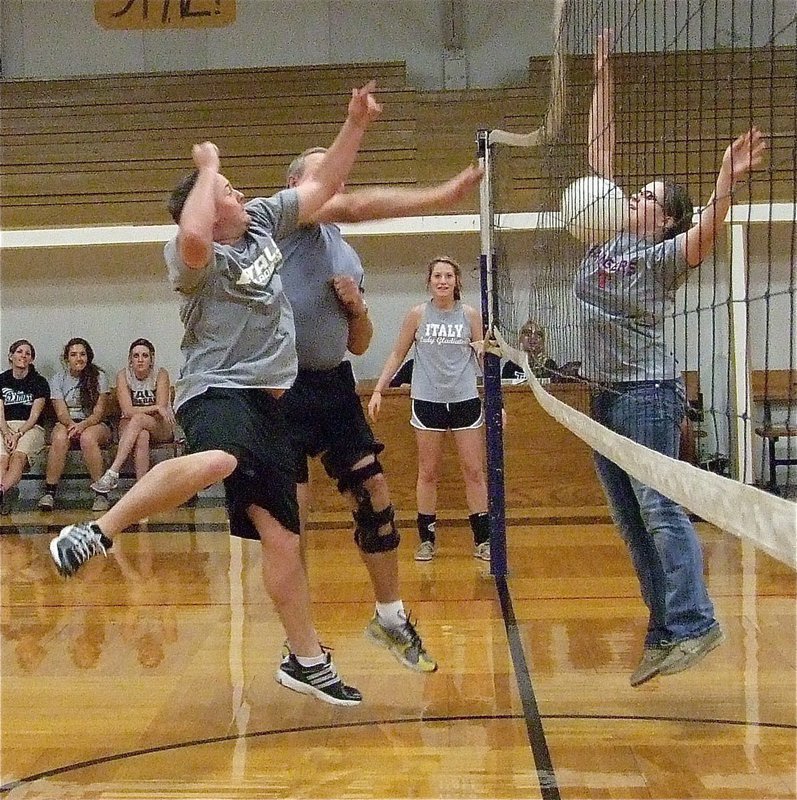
(354, 479)
(367, 525)
(368, 521)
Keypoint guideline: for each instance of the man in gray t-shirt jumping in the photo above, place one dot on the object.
(323, 279)
(240, 357)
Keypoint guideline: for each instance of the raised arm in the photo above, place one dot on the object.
(405, 339)
(742, 155)
(361, 331)
(600, 145)
(195, 235)
(387, 202)
(333, 170)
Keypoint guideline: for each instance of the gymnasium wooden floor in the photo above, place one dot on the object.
(150, 675)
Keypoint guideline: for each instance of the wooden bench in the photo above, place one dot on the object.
(201, 85)
(107, 149)
(171, 449)
(776, 388)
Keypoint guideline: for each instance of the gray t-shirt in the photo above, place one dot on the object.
(238, 322)
(64, 386)
(445, 367)
(626, 288)
(312, 256)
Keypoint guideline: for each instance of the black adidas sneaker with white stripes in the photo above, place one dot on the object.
(76, 544)
(321, 681)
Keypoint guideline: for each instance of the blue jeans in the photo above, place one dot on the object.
(664, 546)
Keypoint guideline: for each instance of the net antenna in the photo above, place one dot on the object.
(755, 516)
(552, 123)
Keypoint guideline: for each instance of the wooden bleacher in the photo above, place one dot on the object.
(675, 115)
(127, 139)
(107, 150)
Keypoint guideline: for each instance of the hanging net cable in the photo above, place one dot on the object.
(685, 84)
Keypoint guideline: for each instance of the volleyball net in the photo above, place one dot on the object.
(687, 78)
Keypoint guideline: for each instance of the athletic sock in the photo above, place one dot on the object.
(480, 525)
(426, 527)
(312, 661)
(391, 615)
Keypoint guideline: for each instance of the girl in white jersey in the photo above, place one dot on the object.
(143, 392)
(444, 396)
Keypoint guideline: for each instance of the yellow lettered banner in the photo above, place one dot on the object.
(147, 15)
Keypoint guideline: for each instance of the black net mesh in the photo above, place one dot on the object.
(687, 78)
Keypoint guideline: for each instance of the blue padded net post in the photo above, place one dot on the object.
(493, 401)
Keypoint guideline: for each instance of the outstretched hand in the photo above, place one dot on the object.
(603, 48)
(744, 154)
(206, 156)
(363, 107)
(462, 184)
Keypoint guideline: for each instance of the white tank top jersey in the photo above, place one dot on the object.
(445, 368)
(142, 392)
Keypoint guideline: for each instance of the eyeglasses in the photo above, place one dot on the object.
(646, 194)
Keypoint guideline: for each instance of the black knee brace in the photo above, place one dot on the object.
(368, 521)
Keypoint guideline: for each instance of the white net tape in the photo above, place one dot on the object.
(768, 521)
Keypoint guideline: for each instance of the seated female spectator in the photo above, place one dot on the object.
(23, 395)
(144, 396)
(79, 397)
(532, 342)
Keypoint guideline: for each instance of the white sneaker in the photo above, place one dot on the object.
(425, 551)
(109, 481)
(47, 502)
(482, 551)
(100, 503)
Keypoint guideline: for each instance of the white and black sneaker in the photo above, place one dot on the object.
(321, 681)
(108, 482)
(76, 544)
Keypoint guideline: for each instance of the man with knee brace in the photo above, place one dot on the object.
(323, 409)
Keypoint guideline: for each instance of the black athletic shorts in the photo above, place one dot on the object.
(249, 424)
(461, 416)
(326, 418)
